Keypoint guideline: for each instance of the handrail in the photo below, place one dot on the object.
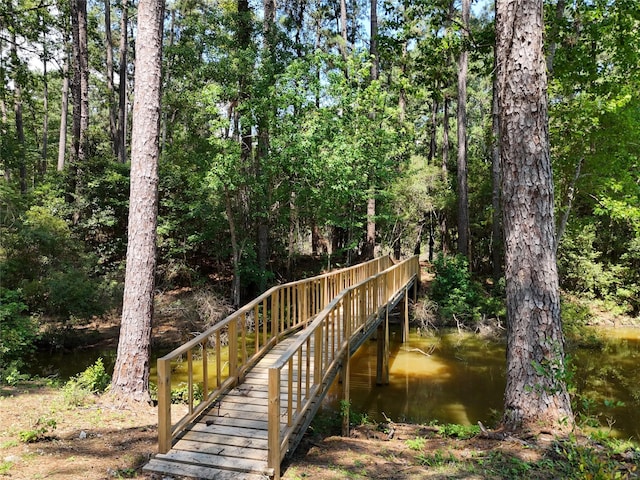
(249, 333)
(344, 317)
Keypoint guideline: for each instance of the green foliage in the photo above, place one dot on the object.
(44, 260)
(576, 317)
(455, 430)
(94, 379)
(437, 459)
(179, 394)
(417, 443)
(18, 332)
(586, 462)
(40, 431)
(355, 418)
(453, 289)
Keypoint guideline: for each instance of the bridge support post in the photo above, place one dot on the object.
(405, 323)
(346, 406)
(382, 370)
(273, 435)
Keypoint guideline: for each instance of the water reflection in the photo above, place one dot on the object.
(460, 378)
(450, 378)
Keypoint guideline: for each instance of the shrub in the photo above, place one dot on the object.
(94, 379)
(18, 332)
(454, 290)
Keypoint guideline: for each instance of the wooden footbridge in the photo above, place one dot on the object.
(256, 379)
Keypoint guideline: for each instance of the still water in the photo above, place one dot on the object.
(455, 378)
(460, 378)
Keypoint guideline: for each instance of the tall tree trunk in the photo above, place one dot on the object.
(535, 397)
(122, 87)
(167, 80)
(45, 102)
(552, 40)
(113, 127)
(83, 60)
(64, 108)
(568, 202)
(76, 93)
(235, 249)
(463, 187)
(130, 380)
(496, 176)
(343, 33)
(17, 110)
(370, 241)
(433, 133)
(4, 131)
(444, 228)
(263, 142)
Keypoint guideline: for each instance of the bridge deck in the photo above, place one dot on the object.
(230, 438)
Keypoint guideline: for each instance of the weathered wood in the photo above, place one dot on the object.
(251, 426)
(228, 463)
(222, 449)
(197, 471)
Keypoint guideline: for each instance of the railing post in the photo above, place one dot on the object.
(233, 349)
(273, 441)
(275, 315)
(205, 370)
(164, 405)
(405, 330)
(346, 363)
(318, 348)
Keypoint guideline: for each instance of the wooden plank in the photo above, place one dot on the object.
(225, 430)
(230, 412)
(217, 461)
(213, 422)
(213, 437)
(221, 449)
(196, 471)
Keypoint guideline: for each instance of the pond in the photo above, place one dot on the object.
(454, 378)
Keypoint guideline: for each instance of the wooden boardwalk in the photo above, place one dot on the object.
(262, 406)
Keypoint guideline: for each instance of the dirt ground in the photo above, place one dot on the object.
(100, 442)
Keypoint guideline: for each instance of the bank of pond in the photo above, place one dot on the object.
(449, 376)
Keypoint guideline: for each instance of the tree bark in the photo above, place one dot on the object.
(568, 202)
(496, 176)
(444, 228)
(370, 241)
(463, 187)
(433, 133)
(113, 127)
(17, 110)
(83, 61)
(343, 33)
(130, 380)
(536, 397)
(45, 102)
(64, 108)
(122, 87)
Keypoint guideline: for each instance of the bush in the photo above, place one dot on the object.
(49, 266)
(94, 379)
(454, 290)
(18, 332)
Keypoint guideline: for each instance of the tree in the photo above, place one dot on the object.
(131, 373)
(463, 186)
(536, 395)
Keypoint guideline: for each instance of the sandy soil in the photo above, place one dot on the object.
(99, 442)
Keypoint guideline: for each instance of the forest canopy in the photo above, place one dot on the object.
(297, 133)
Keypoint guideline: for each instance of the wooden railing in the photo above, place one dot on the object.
(293, 384)
(230, 347)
